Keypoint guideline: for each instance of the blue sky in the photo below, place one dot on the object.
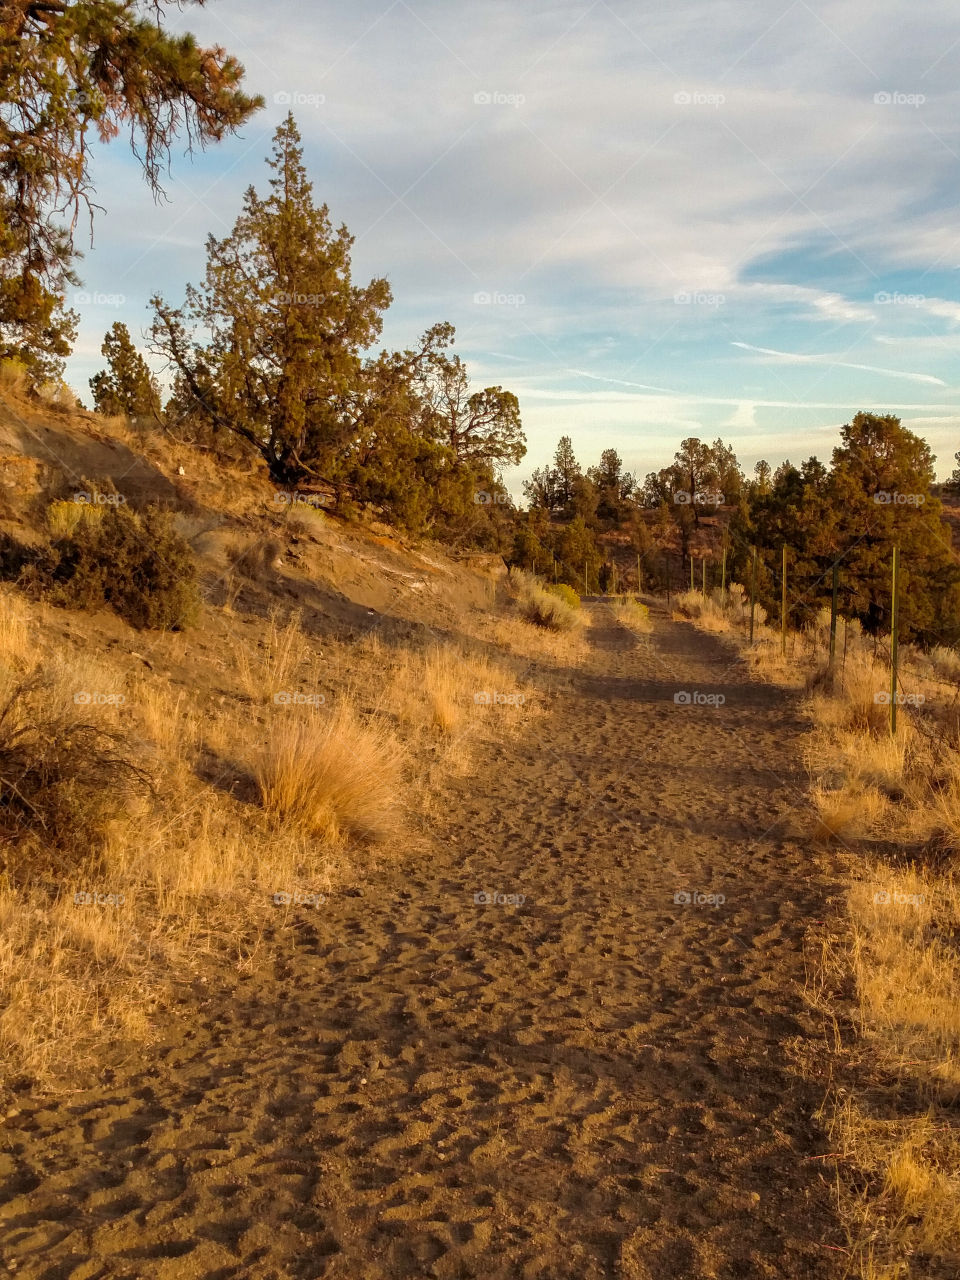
(650, 221)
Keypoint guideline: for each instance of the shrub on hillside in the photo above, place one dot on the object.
(135, 563)
(565, 593)
(633, 614)
(332, 777)
(63, 781)
(542, 607)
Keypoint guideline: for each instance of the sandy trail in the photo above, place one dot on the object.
(591, 1084)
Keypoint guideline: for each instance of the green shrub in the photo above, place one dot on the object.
(109, 555)
(565, 593)
(138, 564)
(544, 608)
(632, 613)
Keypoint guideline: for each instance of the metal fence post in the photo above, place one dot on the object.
(894, 637)
(833, 616)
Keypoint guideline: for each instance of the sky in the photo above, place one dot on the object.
(731, 218)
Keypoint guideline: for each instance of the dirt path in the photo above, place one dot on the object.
(593, 1083)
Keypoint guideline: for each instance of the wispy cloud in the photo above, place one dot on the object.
(792, 357)
(744, 165)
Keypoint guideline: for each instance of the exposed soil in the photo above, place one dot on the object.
(598, 1081)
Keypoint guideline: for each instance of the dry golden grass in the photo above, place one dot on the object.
(451, 689)
(896, 1124)
(166, 717)
(196, 868)
(543, 608)
(632, 614)
(287, 656)
(707, 611)
(17, 632)
(850, 813)
(67, 973)
(331, 776)
(523, 639)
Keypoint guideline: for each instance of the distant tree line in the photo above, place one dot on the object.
(270, 357)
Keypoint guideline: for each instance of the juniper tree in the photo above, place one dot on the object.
(480, 426)
(879, 495)
(68, 72)
(284, 326)
(126, 386)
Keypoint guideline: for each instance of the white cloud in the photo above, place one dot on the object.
(791, 357)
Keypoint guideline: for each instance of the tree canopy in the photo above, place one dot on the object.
(69, 72)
